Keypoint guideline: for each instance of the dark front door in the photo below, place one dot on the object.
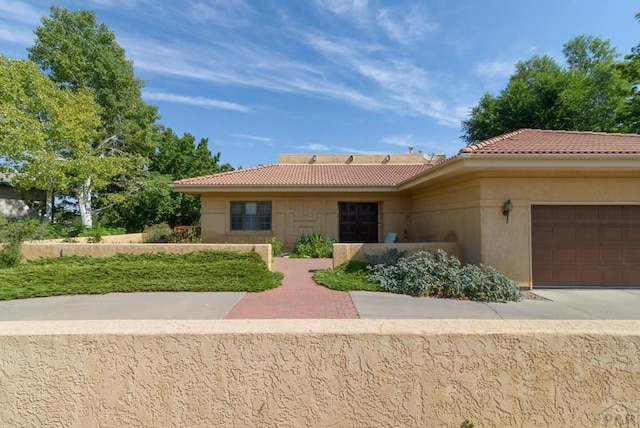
(358, 221)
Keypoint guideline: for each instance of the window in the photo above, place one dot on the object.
(250, 215)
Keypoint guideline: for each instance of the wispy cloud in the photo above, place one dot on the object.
(19, 11)
(226, 13)
(398, 140)
(195, 101)
(405, 24)
(494, 69)
(253, 137)
(314, 147)
(357, 151)
(355, 10)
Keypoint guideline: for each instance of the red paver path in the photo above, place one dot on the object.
(298, 296)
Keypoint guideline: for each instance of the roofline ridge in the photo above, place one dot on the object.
(484, 143)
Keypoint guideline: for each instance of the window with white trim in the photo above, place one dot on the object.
(251, 215)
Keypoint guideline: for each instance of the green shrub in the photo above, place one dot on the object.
(349, 276)
(276, 246)
(314, 245)
(28, 228)
(11, 251)
(93, 235)
(157, 233)
(391, 256)
(437, 274)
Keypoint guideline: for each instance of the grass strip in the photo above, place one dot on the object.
(349, 276)
(199, 271)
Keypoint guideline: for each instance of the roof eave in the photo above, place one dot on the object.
(200, 189)
(471, 162)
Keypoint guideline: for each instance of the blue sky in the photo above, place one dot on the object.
(263, 77)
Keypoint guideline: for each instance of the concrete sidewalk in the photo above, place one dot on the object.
(562, 304)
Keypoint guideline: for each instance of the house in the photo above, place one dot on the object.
(13, 203)
(548, 208)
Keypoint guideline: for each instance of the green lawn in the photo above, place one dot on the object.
(200, 271)
(349, 276)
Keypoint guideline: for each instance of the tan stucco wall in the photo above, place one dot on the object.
(129, 238)
(294, 215)
(319, 373)
(32, 251)
(508, 246)
(345, 252)
(449, 213)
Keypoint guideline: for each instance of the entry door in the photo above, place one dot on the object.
(358, 221)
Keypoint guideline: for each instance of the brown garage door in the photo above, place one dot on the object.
(585, 245)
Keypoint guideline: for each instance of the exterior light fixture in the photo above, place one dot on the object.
(387, 158)
(507, 208)
(350, 158)
(314, 158)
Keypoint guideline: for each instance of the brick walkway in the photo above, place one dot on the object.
(298, 296)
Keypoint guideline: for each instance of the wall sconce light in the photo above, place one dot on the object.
(350, 158)
(387, 158)
(507, 208)
(314, 158)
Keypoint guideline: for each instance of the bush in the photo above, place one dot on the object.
(157, 233)
(437, 274)
(185, 235)
(315, 245)
(276, 246)
(13, 236)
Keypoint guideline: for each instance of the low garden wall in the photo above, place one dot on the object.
(33, 250)
(130, 238)
(409, 373)
(345, 252)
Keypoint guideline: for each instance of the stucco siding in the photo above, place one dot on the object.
(12, 202)
(449, 214)
(294, 215)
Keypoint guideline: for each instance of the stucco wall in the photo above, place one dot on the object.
(346, 252)
(311, 373)
(294, 215)
(32, 250)
(449, 213)
(12, 203)
(508, 246)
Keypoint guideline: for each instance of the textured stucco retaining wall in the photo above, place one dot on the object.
(129, 238)
(345, 252)
(319, 373)
(32, 250)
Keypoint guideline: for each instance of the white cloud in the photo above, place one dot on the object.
(356, 10)
(19, 11)
(314, 147)
(405, 25)
(195, 101)
(403, 140)
(253, 137)
(494, 69)
(357, 151)
(225, 13)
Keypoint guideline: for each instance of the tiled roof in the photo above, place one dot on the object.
(357, 175)
(536, 141)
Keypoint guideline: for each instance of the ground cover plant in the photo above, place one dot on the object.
(425, 273)
(199, 271)
(349, 276)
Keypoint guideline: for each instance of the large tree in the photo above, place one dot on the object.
(589, 93)
(47, 133)
(80, 54)
(151, 201)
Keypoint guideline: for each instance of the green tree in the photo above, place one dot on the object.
(46, 132)
(152, 201)
(80, 54)
(630, 69)
(590, 93)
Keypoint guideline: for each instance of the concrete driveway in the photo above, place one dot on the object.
(561, 304)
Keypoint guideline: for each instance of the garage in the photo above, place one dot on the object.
(585, 245)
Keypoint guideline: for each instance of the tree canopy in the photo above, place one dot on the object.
(591, 92)
(47, 131)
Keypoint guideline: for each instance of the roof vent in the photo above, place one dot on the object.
(410, 150)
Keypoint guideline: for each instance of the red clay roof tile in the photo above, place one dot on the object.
(356, 175)
(536, 141)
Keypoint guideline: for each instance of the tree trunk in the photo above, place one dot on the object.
(84, 203)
